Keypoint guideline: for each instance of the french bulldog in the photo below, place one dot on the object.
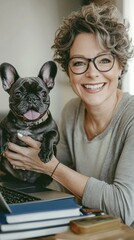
(29, 114)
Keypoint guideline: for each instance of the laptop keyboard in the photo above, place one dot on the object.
(11, 196)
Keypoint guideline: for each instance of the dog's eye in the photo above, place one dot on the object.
(18, 95)
(44, 93)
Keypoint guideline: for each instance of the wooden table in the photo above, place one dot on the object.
(123, 233)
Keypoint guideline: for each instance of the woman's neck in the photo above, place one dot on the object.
(98, 118)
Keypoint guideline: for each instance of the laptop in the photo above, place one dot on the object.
(11, 187)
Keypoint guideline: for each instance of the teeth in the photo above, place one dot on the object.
(94, 87)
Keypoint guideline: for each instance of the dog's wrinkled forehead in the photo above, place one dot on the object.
(29, 83)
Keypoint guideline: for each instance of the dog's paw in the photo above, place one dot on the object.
(45, 156)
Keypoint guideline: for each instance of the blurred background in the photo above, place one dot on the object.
(27, 30)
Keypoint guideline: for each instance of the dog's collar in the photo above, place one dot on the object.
(43, 119)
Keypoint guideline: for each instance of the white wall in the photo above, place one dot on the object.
(128, 14)
(126, 7)
(27, 29)
(119, 4)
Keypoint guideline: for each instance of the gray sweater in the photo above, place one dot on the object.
(108, 159)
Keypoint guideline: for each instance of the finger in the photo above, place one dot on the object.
(29, 141)
(13, 155)
(14, 148)
(18, 167)
(16, 160)
(22, 166)
(18, 152)
(17, 164)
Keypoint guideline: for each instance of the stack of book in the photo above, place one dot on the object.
(40, 218)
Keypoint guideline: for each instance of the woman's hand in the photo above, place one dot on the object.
(25, 158)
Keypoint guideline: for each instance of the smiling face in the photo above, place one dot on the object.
(92, 86)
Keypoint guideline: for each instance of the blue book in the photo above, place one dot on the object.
(24, 226)
(34, 233)
(41, 210)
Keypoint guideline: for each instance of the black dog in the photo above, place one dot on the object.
(29, 102)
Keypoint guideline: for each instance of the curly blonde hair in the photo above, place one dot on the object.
(105, 21)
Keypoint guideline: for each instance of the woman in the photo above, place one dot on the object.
(95, 159)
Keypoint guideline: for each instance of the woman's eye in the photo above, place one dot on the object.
(79, 64)
(104, 61)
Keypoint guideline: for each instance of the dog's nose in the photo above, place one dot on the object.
(32, 99)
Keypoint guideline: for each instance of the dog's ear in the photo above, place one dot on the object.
(47, 73)
(8, 75)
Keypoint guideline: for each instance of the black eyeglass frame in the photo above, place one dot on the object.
(93, 61)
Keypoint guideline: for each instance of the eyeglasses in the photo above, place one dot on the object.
(103, 63)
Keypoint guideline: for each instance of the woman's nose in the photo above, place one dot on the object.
(91, 69)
